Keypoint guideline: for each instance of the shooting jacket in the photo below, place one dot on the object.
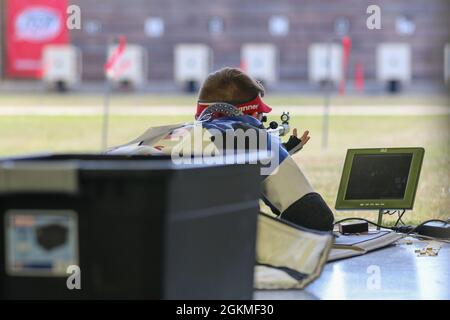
(283, 242)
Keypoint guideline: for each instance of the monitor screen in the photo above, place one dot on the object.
(378, 176)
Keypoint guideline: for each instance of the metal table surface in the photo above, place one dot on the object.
(395, 272)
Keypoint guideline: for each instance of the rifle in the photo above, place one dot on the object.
(280, 129)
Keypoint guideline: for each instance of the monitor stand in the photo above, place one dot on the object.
(380, 218)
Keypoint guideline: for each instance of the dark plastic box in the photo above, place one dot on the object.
(138, 227)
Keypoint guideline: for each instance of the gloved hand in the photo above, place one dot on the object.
(294, 144)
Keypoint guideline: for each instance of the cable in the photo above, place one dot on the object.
(362, 219)
(402, 229)
(429, 238)
(400, 215)
(389, 212)
(425, 222)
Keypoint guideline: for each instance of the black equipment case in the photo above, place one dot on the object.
(137, 227)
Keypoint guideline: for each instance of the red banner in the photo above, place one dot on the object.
(32, 24)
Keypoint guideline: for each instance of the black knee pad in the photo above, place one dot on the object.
(311, 212)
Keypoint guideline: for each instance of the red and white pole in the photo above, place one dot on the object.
(112, 71)
(346, 47)
(359, 77)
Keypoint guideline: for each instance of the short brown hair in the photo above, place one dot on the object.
(230, 85)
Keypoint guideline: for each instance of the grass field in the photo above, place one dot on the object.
(27, 134)
(31, 99)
